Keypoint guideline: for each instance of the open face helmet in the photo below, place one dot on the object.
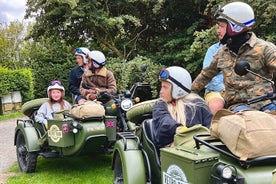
(97, 58)
(55, 84)
(82, 51)
(238, 15)
(179, 78)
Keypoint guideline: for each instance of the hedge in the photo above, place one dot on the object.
(17, 80)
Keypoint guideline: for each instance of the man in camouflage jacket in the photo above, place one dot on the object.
(241, 45)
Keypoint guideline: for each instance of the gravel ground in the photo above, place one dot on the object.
(7, 148)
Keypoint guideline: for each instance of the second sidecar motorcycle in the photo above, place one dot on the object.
(136, 159)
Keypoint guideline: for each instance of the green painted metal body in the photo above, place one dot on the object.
(134, 170)
(94, 136)
(186, 165)
(30, 134)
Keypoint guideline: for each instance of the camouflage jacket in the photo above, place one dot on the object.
(260, 54)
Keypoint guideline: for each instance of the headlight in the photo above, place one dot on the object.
(75, 130)
(225, 171)
(126, 104)
(75, 127)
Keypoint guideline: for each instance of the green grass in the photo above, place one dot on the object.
(11, 115)
(85, 170)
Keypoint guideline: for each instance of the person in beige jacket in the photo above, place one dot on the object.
(98, 78)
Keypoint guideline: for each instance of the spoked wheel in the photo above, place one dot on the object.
(118, 170)
(26, 160)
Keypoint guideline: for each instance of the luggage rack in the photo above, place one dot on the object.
(263, 160)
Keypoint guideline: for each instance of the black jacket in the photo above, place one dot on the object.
(165, 126)
(75, 80)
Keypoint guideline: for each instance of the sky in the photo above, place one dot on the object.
(11, 10)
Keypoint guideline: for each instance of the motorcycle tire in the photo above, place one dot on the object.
(139, 112)
(29, 107)
(26, 160)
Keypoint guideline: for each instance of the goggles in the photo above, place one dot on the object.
(53, 82)
(96, 64)
(219, 14)
(164, 75)
(79, 51)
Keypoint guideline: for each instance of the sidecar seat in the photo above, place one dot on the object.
(152, 151)
(30, 109)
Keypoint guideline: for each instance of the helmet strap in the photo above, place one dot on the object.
(179, 84)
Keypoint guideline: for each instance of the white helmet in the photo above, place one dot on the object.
(239, 15)
(55, 84)
(82, 51)
(97, 58)
(180, 80)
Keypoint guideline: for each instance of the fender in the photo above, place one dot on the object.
(135, 113)
(132, 161)
(32, 140)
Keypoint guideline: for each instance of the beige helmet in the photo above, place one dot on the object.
(238, 15)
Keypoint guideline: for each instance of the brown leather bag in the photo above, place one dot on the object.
(247, 134)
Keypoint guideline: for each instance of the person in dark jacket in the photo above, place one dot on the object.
(77, 72)
(177, 107)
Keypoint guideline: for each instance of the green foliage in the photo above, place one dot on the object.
(11, 39)
(203, 40)
(159, 33)
(123, 32)
(127, 73)
(17, 80)
(50, 59)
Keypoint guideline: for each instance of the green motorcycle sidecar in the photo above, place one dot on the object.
(66, 136)
(136, 160)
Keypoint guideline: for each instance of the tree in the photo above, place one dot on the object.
(11, 39)
(123, 28)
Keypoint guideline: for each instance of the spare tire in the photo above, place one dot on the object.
(141, 111)
(29, 107)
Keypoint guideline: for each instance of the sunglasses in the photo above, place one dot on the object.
(79, 51)
(53, 82)
(165, 74)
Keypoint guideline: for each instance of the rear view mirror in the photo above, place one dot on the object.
(242, 68)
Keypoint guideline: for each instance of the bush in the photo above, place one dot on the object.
(17, 80)
(127, 73)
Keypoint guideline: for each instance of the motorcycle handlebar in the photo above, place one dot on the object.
(268, 96)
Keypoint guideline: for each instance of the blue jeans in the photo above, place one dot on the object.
(270, 107)
(243, 107)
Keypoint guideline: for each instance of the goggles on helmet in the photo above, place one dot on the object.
(53, 82)
(219, 13)
(79, 51)
(164, 75)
